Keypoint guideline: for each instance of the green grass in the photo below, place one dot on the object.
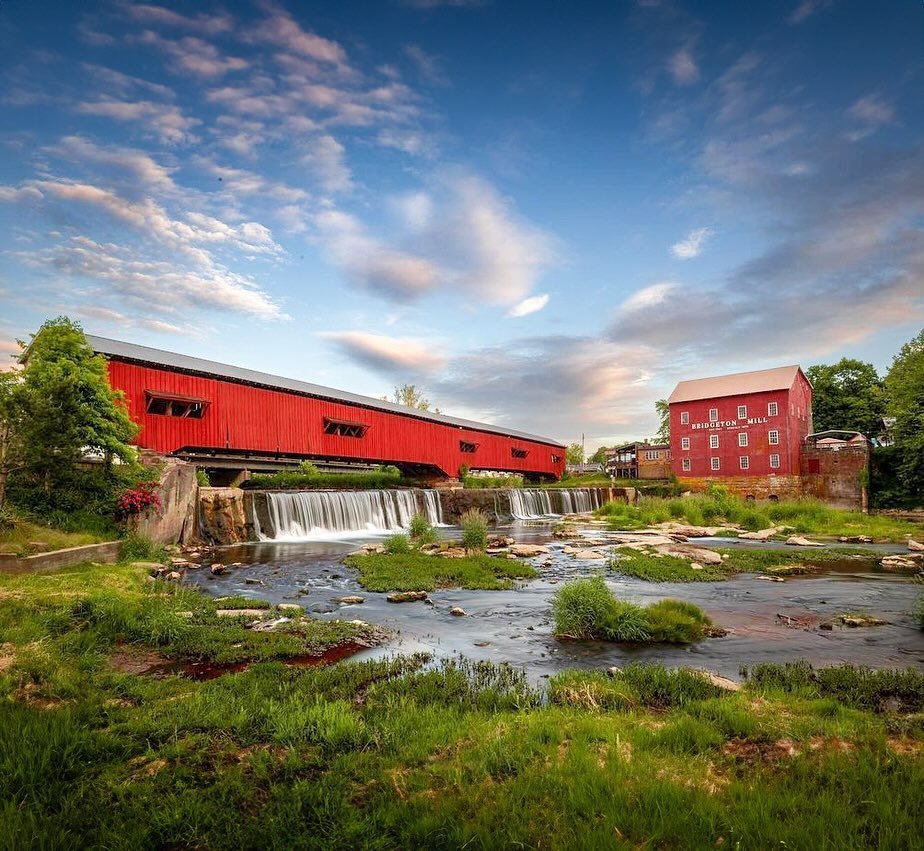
(27, 537)
(474, 523)
(398, 753)
(660, 568)
(587, 609)
(476, 482)
(413, 571)
(755, 560)
(316, 480)
(717, 508)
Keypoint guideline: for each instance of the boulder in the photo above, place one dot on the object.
(290, 607)
(457, 612)
(218, 569)
(855, 539)
(406, 596)
(642, 538)
(528, 550)
(565, 532)
(174, 576)
(915, 546)
(799, 541)
(899, 563)
(861, 620)
(588, 555)
(351, 600)
(698, 554)
(762, 535)
(453, 552)
(766, 578)
(430, 549)
(717, 680)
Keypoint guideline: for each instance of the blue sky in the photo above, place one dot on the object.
(543, 214)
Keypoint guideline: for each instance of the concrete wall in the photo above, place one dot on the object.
(106, 553)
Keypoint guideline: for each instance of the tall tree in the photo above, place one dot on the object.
(574, 454)
(663, 409)
(12, 456)
(847, 395)
(409, 396)
(905, 386)
(599, 457)
(69, 407)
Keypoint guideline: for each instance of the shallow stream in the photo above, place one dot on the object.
(768, 621)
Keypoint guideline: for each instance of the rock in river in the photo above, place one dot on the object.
(528, 550)
(351, 600)
(799, 541)
(457, 611)
(406, 596)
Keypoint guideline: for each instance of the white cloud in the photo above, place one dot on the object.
(683, 67)
(326, 160)
(141, 169)
(529, 305)
(806, 9)
(647, 297)
(400, 355)
(281, 30)
(872, 109)
(164, 121)
(191, 55)
(204, 23)
(692, 246)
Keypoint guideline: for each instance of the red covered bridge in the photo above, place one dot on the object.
(226, 417)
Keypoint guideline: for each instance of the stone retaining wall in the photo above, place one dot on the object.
(106, 553)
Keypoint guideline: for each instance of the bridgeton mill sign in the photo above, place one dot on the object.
(730, 423)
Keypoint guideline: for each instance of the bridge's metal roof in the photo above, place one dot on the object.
(119, 350)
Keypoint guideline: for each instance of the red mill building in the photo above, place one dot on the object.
(746, 429)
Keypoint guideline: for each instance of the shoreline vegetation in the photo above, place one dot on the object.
(101, 745)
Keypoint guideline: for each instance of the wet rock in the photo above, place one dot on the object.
(698, 554)
(689, 531)
(457, 612)
(430, 549)
(500, 543)
(290, 607)
(351, 600)
(899, 564)
(453, 552)
(799, 541)
(323, 608)
(528, 550)
(766, 578)
(482, 643)
(861, 620)
(270, 626)
(179, 562)
(915, 546)
(826, 625)
(713, 631)
(855, 539)
(174, 576)
(406, 596)
(717, 680)
(218, 569)
(496, 551)
(761, 535)
(249, 580)
(589, 555)
(372, 548)
(642, 539)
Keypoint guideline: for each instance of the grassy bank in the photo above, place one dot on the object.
(296, 480)
(390, 754)
(587, 609)
(25, 537)
(803, 516)
(414, 571)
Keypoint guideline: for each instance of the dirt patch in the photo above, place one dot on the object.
(7, 657)
(30, 695)
(831, 743)
(136, 660)
(750, 752)
(905, 746)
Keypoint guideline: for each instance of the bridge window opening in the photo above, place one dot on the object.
(344, 428)
(556, 459)
(519, 453)
(173, 406)
(465, 446)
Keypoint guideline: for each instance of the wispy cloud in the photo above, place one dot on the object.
(692, 245)
(806, 9)
(401, 356)
(529, 305)
(872, 109)
(163, 121)
(427, 66)
(326, 161)
(683, 67)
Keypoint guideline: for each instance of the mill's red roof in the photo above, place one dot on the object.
(736, 384)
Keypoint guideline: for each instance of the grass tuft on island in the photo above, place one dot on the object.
(654, 567)
(587, 609)
(396, 753)
(718, 507)
(415, 571)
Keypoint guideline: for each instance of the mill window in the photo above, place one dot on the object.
(684, 442)
(713, 441)
(774, 436)
(772, 409)
(714, 462)
(684, 418)
(686, 464)
(774, 461)
(745, 462)
(742, 438)
(742, 412)
(713, 415)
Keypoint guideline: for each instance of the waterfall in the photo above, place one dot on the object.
(529, 504)
(320, 515)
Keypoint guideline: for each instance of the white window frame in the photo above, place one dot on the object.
(772, 409)
(714, 463)
(742, 412)
(684, 418)
(774, 437)
(713, 415)
(713, 441)
(686, 465)
(745, 462)
(684, 442)
(742, 438)
(774, 461)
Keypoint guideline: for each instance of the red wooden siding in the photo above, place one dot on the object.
(243, 418)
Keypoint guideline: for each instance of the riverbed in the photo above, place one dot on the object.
(767, 621)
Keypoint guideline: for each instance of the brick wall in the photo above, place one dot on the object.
(838, 477)
(760, 487)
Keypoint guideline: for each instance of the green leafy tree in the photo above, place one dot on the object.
(68, 406)
(574, 454)
(12, 455)
(847, 395)
(599, 457)
(664, 421)
(409, 396)
(905, 387)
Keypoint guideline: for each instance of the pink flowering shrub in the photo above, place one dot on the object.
(135, 499)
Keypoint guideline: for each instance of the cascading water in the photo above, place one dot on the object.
(321, 515)
(529, 504)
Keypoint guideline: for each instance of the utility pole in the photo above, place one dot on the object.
(583, 451)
